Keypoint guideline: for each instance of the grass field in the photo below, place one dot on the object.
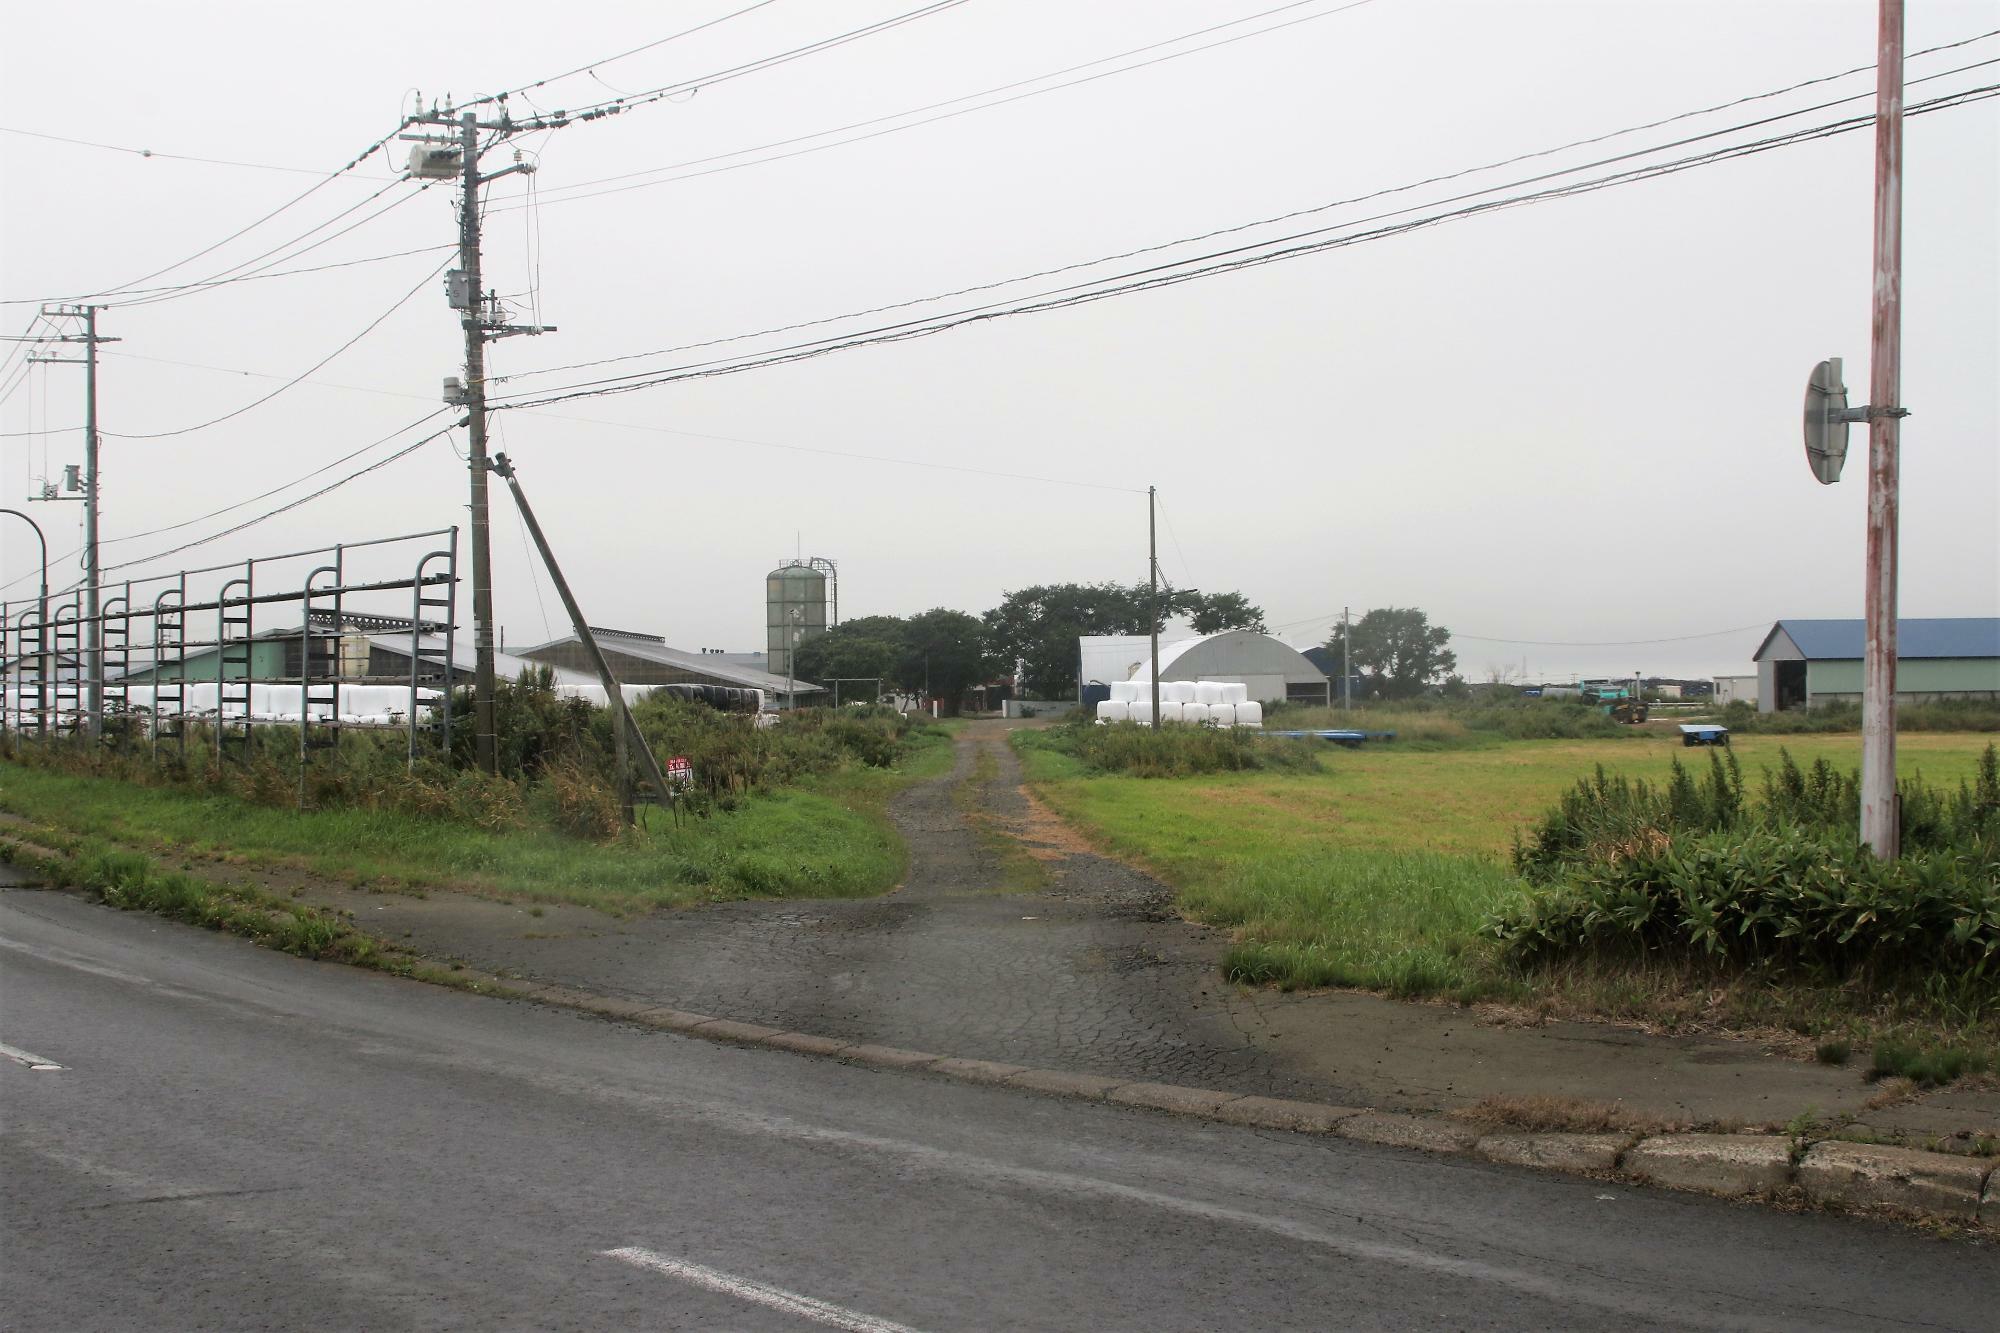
(1376, 871)
(828, 838)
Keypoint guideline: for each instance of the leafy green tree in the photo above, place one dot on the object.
(868, 646)
(947, 649)
(1213, 613)
(1396, 653)
(1039, 627)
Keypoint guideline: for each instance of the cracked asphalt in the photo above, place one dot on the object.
(1090, 971)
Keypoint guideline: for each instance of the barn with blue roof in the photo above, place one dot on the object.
(1807, 663)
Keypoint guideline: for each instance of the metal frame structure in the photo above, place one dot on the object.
(45, 689)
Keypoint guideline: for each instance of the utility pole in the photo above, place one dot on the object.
(1346, 671)
(483, 322)
(1153, 601)
(1879, 819)
(93, 657)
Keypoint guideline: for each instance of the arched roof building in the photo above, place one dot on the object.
(1269, 669)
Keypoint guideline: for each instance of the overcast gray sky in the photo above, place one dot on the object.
(1563, 428)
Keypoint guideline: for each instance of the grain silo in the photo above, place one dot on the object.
(795, 608)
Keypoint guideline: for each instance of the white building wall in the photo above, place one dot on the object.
(1728, 689)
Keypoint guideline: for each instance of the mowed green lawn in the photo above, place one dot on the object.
(1378, 871)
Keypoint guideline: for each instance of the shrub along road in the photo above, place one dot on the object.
(1011, 941)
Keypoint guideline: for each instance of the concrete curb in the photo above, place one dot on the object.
(1906, 1183)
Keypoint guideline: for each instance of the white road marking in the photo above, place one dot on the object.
(743, 1289)
(26, 1058)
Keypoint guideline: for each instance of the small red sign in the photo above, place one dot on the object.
(679, 770)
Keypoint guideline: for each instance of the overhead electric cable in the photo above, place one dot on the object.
(290, 249)
(1249, 255)
(373, 324)
(286, 508)
(276, 490)
(562, 194)
(174, 527)
(155, 153)
(1296, 213)
(620, 105)
(311, 190)
(596, 64)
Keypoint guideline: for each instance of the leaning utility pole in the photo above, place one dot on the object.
(1153, 601)
(623, 726)
(1878, 673)
(483, 322)
(93, 658)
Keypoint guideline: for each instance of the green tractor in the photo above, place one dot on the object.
(1617, 702)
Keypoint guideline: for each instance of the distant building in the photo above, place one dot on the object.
(1807, 663)
(1731, 689)
(1270, 670)
(645, 659)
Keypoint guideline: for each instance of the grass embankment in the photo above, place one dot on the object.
(131, 881)
(1378, 870)
(827, 837)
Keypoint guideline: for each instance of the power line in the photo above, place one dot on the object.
(1245, 256)
(154, 153)
(311, 190)
(1331, 617)
(849, 455)
(269, 514)
(843, 454)
(275, 490)
(264, 495)
(633, 101)
(1209, 265)
(1297, 213)
(373, 324)
(248, 269)
(595, 64)
(295, 380)
(1611, 643)
(562, 195)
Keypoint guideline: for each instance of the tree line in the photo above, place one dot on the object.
(945, 653)
(1394, 652)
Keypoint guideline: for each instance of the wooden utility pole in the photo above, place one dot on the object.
(1153, 601)
(1879, 820)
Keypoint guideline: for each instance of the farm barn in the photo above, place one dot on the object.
(1805, 663)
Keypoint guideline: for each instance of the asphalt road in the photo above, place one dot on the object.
(237, 1139)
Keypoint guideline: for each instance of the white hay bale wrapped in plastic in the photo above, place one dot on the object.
(1114, 710)
(1124, 691)
(1222, 715)
(1140, 711)
(1194, 714)
(1250, 713)
(1207, 692)
(1171, 710)
(1179, 691)
(1235, 692)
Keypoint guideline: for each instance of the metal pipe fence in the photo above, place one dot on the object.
(358, 635)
